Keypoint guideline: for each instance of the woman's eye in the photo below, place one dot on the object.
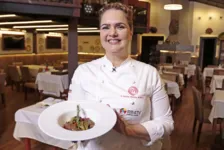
(104, 28)
(120, 27)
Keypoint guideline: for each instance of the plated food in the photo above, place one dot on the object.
(78, 123)
(97, 119)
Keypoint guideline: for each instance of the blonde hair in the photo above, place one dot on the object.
(118, 6)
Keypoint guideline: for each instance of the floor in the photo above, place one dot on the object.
(182, 137)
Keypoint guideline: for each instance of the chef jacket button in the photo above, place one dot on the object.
(100, 100)
(102, 81)
(134, 82)
(133, 103)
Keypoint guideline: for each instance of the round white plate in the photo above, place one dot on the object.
(52, 119)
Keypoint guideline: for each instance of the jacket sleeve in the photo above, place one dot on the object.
(161, 122)
(76, 91)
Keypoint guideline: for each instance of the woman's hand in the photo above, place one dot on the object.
(120, 125)
(133, 130)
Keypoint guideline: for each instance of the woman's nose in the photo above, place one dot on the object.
(113, 32)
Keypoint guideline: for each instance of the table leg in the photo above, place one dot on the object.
(27, 144)
(214, 126)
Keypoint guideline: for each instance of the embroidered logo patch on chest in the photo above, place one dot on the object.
(133, 90)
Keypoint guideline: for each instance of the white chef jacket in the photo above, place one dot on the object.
(135, 91)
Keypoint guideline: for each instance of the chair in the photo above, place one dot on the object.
(174, 78)
(222, 88)
(201, 113)
(212, 66)
(170, 77)
(181, 68)
(28, 81)
(17, 63)
(2, 87)
(177, 70)
(65, 65)
(14, 76)
(218, 72)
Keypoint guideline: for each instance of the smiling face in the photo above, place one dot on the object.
(115, 33)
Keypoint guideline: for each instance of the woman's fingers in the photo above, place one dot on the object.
(120, 124)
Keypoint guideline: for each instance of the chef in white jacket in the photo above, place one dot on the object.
(132, 88)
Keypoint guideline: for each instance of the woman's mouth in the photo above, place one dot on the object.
(114, 41)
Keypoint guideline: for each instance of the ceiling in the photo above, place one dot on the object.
(216, 3)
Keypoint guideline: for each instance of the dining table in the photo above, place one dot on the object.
(34, 69)
(27, 128)
(217, 111)
(172, 88)
(52, 84)
(216, 82)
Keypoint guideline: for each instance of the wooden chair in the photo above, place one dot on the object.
(177, 70)
(2, 87)
(212, 66)
(14, 76)
(174, 78)
(218, 72)
(222, 88)
(28, 81)
(65, 65)
(181, 68)
(170, 77)
(201, 113)
(17, 63)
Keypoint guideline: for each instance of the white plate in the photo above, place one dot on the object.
(52, 119)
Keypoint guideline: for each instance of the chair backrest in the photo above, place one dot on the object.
(17, 63)
(218, 72)
(222, 88)
(14, 73)
(212, 66)
(2, 82)
(65, 65)
(198, 104)
(25, 73)
(181, 68)
(177, 70)
(170, 77)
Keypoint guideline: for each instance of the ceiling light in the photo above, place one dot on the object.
(66, 29)
(144, 1)
(87, 28)
(7, 15)
(51, 26)
(53, 29)
(89, 31)
(25, 22)
(12, 32)
(40, 26)
(173, 7)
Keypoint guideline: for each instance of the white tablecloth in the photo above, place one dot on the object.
(208, 72)
(190, 70)
(180, 76)
(27, 126)
(218, 105)
(52, 84)
(33, 69)
(216, 82)
(172, 88)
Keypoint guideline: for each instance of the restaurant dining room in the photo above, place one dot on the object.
(43, 42)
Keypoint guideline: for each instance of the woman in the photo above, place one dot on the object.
(132, 88)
